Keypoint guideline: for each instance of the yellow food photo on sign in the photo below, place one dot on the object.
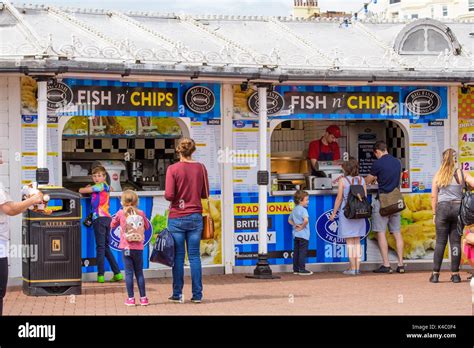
(417, 228)
(211, 250)
(113, 126)
(78, 125)
(241, 99)
(29, 90)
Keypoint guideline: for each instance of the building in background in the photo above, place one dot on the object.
(306, 8)
(414, 9)
(335, 14)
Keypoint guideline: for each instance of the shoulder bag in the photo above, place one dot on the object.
(207, 222)
(391, 203)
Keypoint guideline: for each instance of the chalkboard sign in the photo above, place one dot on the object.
(366, 157)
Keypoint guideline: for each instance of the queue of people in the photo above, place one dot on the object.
(447, 193)
(187, 183)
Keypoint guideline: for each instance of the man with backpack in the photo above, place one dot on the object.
(387, 205)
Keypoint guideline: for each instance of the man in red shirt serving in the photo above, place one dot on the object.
(324, 149)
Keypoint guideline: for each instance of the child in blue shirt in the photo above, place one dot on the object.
(299, 219)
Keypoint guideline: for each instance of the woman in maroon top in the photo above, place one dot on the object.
(186, 183)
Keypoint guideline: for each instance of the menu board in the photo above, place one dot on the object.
(29, 134)
(207, 136)
(158, 126)
(366, 157)
(245, 158)
(426, 147)
(101, 126)
(77, 126)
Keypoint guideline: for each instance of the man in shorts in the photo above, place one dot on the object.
(387, 171)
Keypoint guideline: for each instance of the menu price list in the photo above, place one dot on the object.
(245, 158)
(29, 130)
(207, 136)
(426, 147)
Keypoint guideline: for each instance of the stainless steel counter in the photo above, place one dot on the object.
(332, 192)
(372, 189)
(140, 193)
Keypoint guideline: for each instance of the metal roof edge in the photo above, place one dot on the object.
(235, 17)
(119, 71)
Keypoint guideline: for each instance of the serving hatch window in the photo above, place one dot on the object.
(290, 142)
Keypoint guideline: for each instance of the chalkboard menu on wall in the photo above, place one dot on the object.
(366, 157)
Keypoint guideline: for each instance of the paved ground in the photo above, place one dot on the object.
(319, 294)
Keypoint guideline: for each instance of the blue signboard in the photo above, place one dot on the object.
(362, 102)
(324, 245)
(116, 98)
(88, 240)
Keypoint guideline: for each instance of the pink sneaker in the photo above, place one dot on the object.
(144, 301)
(130, 302)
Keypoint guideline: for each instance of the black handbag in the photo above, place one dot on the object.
(466, 211)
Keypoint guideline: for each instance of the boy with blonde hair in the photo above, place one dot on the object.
(100, 195)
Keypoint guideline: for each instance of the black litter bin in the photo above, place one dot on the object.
(55, 267)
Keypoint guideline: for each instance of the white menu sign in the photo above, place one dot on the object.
(245, 156)
(29, 135)
(207, 135)
(426, 147)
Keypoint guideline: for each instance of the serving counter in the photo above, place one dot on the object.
(370, 190)
(155, 207)
(89, 261)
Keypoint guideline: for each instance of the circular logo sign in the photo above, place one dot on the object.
(115, 177)
(59, 95)
(239, 124)
(423, 102)
(28, 119)
(200, 99)
(114, 241)
(275, 103)
(327, 229)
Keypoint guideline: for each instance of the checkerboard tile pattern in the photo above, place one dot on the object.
(396, 142)
(163, 148)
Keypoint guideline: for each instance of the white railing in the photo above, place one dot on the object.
(126, 51)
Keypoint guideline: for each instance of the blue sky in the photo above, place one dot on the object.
(236, 7)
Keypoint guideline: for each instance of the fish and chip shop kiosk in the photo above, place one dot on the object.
(412, 120)
(131, 129)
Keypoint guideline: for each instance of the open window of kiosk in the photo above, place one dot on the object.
(290, 140)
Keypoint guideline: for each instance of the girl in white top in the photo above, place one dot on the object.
(9, 208)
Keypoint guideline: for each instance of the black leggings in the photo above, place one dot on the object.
(446, 223)
(3, 281)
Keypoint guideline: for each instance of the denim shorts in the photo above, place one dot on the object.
(380, 223)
